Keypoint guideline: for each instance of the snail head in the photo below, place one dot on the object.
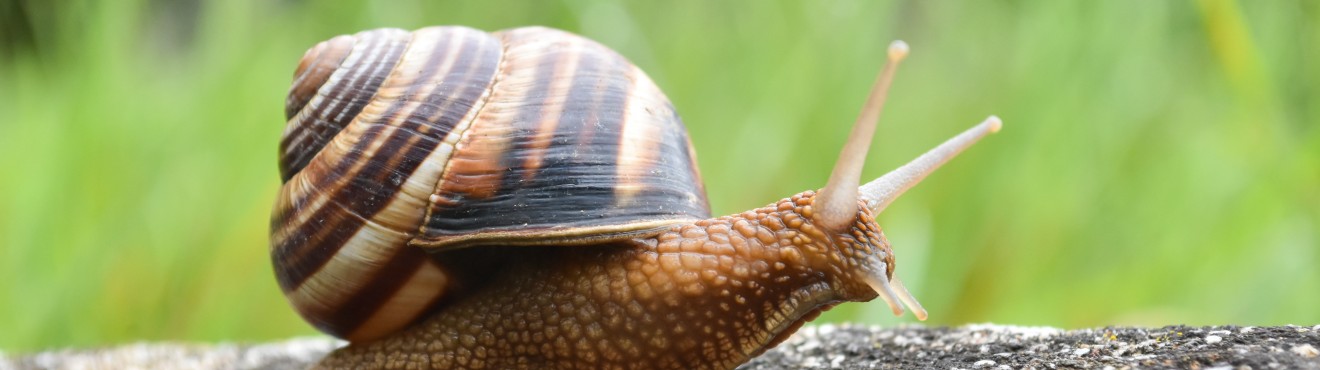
(845, 209)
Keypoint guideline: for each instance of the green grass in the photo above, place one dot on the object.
(1159, 164)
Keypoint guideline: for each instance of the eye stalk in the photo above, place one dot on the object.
(880, 192)
(835, 205)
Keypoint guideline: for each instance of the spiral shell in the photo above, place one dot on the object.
(402, 143)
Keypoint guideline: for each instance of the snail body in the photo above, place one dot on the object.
(711, 294)
(529, 199)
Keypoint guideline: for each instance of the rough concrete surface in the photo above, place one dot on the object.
(1015, 347)
(289, 354)
(835, 347)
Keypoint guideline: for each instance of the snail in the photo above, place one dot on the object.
(528, 198)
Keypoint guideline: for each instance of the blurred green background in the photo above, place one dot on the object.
(1159, 164)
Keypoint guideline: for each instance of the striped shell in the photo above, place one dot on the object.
(402, 143)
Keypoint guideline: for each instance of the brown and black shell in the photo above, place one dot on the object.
(402, 143)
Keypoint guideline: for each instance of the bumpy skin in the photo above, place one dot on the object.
(708, 295)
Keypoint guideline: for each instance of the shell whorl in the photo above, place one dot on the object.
(402, 143)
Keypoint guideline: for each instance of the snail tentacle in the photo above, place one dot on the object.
(879, 193)
(836, 203)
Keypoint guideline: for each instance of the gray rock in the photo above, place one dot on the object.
(289, 354)
(1015, 347)
(831, 347)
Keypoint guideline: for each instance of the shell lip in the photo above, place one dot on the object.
(589, 235)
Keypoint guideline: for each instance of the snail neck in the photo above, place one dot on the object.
(757, 275)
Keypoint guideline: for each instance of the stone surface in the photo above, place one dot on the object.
(834, 346)
(1015, 347)
(289, 354)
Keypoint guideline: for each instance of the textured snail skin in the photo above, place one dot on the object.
(707, 295)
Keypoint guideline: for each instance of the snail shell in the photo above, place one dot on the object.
(400, 144)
